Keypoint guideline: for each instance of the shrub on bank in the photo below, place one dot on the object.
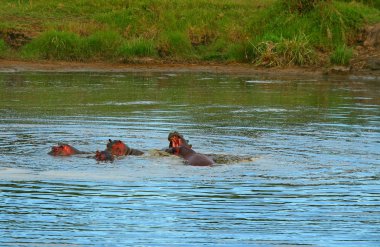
(283, 52)
(54, 45)
(341, 55)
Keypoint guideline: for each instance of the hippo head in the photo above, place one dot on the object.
(63, 150)
(117, 148)
(176, 140)
(103, 156)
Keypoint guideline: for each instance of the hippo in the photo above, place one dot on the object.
(192, 158)
(118, 148)
(104, 156)
(176, 139)
(64, 150)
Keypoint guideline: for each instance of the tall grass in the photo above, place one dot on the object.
(327, 24)
(54, 45)
(296, 51)
(137, 48)
(266, 32)
(101, 45)
(300, 6)
(287, 36)
(371, 3)
(3, 48)
(174, 44)
(72, 47)
(341, 55)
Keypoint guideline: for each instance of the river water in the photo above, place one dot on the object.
(314, 177)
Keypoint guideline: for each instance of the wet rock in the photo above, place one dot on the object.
(373, 63)
(373, 37)
(230, 159)
(339, 70)
(158, 153)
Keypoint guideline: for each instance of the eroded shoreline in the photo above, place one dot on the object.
(238, 69)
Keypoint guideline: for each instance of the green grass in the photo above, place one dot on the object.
(54, 45)
(341, 55)
(371, 3)
(262, 32)
(137, 48)
(3, 48)
(101, 45)
(277, 51)
(286, 35)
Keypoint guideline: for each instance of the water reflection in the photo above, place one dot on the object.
(314, 179)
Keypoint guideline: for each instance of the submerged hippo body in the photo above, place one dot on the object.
(192, 158)
(118, 148)
(64, 150)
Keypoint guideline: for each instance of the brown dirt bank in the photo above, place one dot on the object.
(238, 69)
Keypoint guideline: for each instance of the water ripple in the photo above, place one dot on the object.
(313, 179)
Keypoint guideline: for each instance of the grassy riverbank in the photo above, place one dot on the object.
(262, 32)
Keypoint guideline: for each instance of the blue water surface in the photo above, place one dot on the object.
(312, 177)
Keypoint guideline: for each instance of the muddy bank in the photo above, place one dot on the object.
(239, 69)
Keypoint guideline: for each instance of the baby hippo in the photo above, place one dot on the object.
(104, 156)
(192, 158)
